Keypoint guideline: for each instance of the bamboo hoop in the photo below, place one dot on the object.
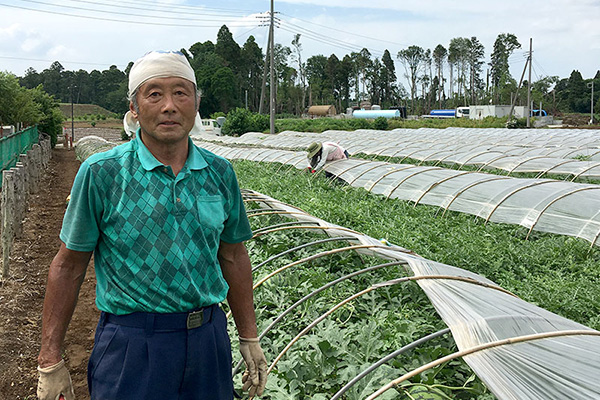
(485, 346)
(316, 256)
(370, 289)
(339, 228)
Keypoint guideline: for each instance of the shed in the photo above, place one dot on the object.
(482, 111)
(322, 111)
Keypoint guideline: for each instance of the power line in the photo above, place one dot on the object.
(169, 6)
(162, 17)
(245, 33)
(237, 24)
(346, 32)
(290, 27)
(51, 61)
(170, 10)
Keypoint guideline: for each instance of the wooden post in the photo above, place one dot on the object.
(24, 160)
(19, 199)
(8, 199)
(37, 164)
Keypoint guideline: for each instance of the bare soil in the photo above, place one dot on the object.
(22, 295)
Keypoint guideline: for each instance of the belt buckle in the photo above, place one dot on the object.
(195, 319)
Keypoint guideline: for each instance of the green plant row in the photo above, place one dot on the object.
(558, 273)
(355, 336)
(241, 120)
(349, 124)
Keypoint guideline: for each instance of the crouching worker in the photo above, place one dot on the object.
(320, 153)
(166, 223)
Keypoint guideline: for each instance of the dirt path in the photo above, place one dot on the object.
(22, 295)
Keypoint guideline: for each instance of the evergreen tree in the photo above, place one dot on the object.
(252, 70)
(504, 46)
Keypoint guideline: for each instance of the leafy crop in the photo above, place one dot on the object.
(558, 273)
(349, 124)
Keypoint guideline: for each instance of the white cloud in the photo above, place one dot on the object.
(566, 34)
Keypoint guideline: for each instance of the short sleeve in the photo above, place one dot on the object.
(237, 227)
(80, 229)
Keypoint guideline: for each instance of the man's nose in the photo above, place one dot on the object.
(168, 103)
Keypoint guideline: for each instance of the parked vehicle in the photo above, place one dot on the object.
(459, 112)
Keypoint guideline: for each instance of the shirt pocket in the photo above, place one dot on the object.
(211, 213)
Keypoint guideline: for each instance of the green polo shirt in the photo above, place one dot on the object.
(155, 236)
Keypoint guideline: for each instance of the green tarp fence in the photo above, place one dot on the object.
(13, 145)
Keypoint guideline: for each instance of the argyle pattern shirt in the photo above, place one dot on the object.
(155, 236)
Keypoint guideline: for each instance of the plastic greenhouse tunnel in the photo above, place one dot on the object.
(353, 317)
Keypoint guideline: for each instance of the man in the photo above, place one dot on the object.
(320, 153)
(166, 223)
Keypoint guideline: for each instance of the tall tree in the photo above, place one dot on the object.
(388, 78)
(413, 59)
(332, 79)
(31, 79)
(317, 78)
(475, 61)
(51, 79)
(227, 48)
(440, 54)
(252, 59)
(504, 45)
(346, 77)
(297, 57)
(363, 64)
(458, 59)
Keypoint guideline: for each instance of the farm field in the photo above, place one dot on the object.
(557, 273)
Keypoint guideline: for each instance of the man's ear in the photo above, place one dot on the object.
(132, 109)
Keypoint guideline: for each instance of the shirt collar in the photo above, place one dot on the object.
(195, 160)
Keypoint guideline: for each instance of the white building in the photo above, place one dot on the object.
(480, 112)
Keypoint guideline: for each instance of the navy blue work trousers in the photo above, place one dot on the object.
(146, 356)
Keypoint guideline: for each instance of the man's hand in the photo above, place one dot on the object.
(55, 381)
(255, 376)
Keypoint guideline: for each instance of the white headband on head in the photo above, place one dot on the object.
(160, 64)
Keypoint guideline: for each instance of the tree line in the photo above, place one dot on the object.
(232, 76)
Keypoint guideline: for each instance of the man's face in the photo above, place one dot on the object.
(166, 109)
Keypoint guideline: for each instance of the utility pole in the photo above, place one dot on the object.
(272, 70)
(529, 84)
(514, 99)
(264, 78)
(72, 116)
(592, 102)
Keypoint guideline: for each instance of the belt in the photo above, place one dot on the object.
(162, 322)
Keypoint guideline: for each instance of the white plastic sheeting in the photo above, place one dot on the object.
(566, 366)
(530, 151)
(545, 205)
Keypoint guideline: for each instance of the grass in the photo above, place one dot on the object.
(80, 110)
(322, 124)
(558, 273)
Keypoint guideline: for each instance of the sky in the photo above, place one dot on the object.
(95, 34)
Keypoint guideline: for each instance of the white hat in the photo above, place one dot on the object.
(160, 64)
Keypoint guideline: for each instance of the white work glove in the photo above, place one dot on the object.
(55, 381)
(255, 376)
